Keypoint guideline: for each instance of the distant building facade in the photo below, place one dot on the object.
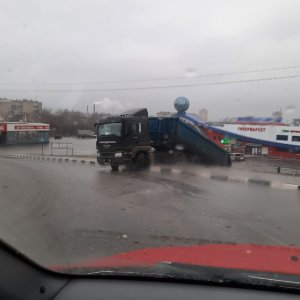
(15, 133)
(203, 113)
(20, 110)
(164, 114)
(296, 122)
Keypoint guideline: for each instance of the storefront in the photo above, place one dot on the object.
(15, 133)
(253, 149)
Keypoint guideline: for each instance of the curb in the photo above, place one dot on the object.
(49, 158)
(259, 181)
(219, 177)
(225, 178)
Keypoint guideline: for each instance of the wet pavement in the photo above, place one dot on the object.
(60, 213)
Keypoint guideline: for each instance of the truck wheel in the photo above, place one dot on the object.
(179, 157)
(195, 159)
(141, 161)
(115, 168)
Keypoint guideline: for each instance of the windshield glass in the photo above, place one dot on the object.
(205, 95)
(110, 129)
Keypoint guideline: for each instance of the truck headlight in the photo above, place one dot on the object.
(118, 154)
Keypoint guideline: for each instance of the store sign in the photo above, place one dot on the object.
(2, 128)
(31, 127)
(252, 129)
(291, 131)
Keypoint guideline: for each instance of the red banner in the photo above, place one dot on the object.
(31, 127)
(2, 127)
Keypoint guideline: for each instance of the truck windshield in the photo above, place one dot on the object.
(109, 129)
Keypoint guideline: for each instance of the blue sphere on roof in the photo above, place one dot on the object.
(181, 104)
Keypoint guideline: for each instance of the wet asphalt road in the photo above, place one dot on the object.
(60, 213)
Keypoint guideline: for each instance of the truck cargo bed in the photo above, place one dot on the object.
(178, 134)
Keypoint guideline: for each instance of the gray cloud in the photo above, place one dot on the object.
(66, 45)
(107, 105)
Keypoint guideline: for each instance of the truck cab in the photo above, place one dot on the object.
(123, 139)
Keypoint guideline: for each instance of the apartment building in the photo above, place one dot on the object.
(20, 110)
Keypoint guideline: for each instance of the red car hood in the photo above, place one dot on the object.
(275, 259)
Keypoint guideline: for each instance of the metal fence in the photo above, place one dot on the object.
(61, 148)
(271, 165)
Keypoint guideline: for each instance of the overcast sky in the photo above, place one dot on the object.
(73, 53)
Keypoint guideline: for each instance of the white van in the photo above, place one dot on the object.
(237, 157)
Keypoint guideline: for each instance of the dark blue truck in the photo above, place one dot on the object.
(130, 138)
(177, 139)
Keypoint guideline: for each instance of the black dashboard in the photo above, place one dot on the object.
(127, 289)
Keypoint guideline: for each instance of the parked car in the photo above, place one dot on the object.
(237, 157)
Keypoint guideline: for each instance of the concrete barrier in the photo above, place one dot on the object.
(188, 173)
(238, 179)
(219, 177)
(259, 181)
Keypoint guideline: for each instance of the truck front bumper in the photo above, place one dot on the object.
(104, 158)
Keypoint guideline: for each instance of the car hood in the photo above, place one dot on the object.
(274, 259)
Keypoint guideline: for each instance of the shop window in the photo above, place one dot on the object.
(296, 138)
(281, 137)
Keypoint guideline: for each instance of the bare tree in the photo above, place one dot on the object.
(67, 123)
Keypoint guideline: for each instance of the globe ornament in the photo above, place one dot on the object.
(181, 104)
